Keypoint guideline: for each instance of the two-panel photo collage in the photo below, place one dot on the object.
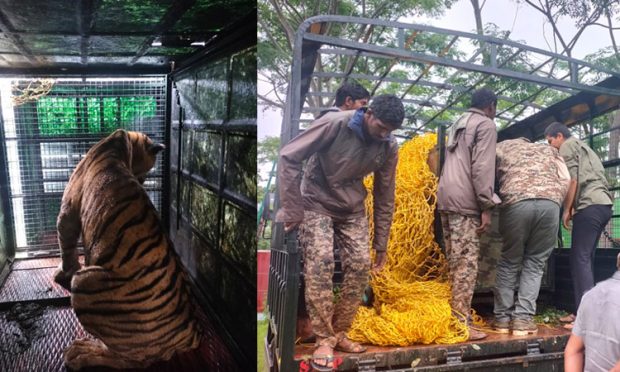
(316, 185)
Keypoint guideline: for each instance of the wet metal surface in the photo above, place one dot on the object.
(34, 335)
(24, 350)
(33, 284)
(39, 263)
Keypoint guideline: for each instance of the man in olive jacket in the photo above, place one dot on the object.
(327, 203)
(465, 197)
(588, 204)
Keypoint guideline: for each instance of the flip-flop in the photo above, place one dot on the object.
(567, 319)
(569, 326)
(328, 358)
(349, 346)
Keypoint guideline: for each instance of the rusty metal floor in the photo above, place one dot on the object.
(37, 324)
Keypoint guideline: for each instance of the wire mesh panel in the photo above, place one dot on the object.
(49, 125)
(213, 187)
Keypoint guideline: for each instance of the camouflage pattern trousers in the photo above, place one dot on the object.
(462, 250)
(331, 319)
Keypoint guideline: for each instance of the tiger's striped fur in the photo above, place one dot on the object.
(132, 292)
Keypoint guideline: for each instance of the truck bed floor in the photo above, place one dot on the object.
(547, 343)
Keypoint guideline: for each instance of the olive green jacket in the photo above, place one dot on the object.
(585, 167)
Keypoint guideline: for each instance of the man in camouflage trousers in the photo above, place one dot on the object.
(533, 181)
(327, 202)
(465, 197)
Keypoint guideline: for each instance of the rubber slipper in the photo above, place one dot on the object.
(349, 346)
(329, 359)
(323, 353)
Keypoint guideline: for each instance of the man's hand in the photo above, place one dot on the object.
(290, 226)
(485, 222)
(379, 261)
(567, 216)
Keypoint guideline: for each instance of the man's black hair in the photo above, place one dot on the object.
(389, 109)
(483, 98)
(350, 89)
(554, 128)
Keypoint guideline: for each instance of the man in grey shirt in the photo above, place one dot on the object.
(595, 339)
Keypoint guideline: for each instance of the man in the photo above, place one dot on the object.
(595, 338)
(465, 197)
(587, 204)
(533, 181)
(349, 96)
(328, 204)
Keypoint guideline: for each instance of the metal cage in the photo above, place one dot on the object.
(47, 136)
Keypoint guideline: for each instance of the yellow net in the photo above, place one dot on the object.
(412, 292)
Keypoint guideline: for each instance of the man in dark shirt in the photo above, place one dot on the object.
(327, 203)
(349, 96)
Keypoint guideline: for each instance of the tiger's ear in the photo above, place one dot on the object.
(121, 136)
(156, 148)
(119, 133)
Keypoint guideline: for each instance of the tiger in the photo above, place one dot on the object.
(132, 293)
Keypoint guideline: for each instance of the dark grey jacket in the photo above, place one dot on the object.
(338, 161)
(468, 175)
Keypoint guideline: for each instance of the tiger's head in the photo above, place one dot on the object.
(142, 152)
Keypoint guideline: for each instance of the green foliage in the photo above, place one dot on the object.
(70, 115)
(268, 149)
(549, 316)
(279, 20)
(261, 333)
(580, 10)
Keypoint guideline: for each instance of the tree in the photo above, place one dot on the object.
(267, 155)
(585, 14)
(279, 19)
(268, 149)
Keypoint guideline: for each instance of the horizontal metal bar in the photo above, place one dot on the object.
(248, 205)
(422, 82)
(415, 56)
(323, 74)
(358, 20)
(415, 101)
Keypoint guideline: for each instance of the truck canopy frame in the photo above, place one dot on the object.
(534, 87)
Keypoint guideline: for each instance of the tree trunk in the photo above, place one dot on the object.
(486, 57)
(478, 16)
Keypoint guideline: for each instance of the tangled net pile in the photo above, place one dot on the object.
(412, 292)
(31, 92)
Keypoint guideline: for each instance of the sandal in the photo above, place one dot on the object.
(349, 346)
(568, 326)
(323, 353)
(568, 318)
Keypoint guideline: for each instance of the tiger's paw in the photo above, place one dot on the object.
(77, 355)
(64, 278)
(85, 353)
